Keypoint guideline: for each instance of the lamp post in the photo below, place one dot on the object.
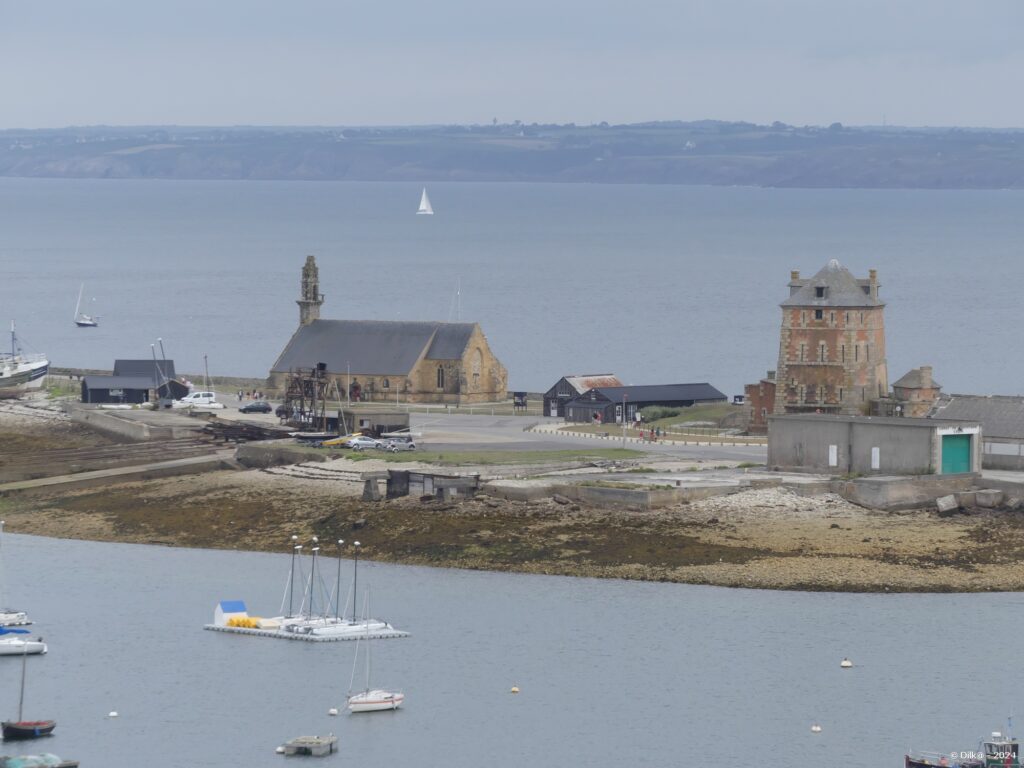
(625, 397)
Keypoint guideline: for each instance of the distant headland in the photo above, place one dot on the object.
(705, 152)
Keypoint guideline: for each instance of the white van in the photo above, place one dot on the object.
(205, 399)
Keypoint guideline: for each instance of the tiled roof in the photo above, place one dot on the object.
(842, 289)
(582, 383)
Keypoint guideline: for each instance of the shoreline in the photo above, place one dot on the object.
(757, 539)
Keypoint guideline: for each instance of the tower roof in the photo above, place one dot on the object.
(841, 289)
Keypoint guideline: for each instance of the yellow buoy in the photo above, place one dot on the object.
(515, 689)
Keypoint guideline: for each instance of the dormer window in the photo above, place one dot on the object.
(820, 292)
(867, 289)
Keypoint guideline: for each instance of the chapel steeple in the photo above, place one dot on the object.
(309, 304)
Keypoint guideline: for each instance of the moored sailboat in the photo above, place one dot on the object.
(21, 728)
(83, 320)
(370, 699)
(9, 617)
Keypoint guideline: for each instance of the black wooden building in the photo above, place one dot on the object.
(134, 382)
(604, 404)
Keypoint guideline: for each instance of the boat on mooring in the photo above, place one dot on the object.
(22, 728)
(9, 617)
(83, 320)
(425, 209)
(998, 751)
(21, 371)
(370, 699)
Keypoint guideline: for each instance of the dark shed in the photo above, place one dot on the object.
(604, 404)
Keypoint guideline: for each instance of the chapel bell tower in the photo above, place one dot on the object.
(309, 304)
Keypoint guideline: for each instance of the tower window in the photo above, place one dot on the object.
(440, 377)
(818, 314)
(821, 352)
(386, 384)
(840, 394)
(843, 350)
(832, 318)
(856, 352)
(803, 351)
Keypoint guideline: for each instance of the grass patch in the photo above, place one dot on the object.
(748, 465)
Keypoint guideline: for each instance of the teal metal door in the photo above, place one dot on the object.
(956, 454)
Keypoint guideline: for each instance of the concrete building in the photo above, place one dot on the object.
(1002, 420)
(570, 387)
(604, 405)
(832, 344)
(378, 360)
(374, 421)
(871, 445)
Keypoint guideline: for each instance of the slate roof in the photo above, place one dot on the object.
(582, 383)
(913, 379)
(118, 382)
(373, 347)
(844, 290)
(659, 393)
(147, 368)
(1000, 415)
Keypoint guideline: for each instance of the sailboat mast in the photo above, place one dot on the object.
(24, 664)
(367, 619)
(14, 344)
(78, 306)
(337, 587)
(312, 577)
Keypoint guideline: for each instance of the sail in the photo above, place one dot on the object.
(425, 208)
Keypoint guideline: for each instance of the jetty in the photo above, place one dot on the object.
(374, 634)
(312, 746)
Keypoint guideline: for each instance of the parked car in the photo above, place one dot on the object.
(283, 411)
(200, 399)
(256, 406)
(396, 444)
(362, 441)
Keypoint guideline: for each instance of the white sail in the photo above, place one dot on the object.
(425, 209)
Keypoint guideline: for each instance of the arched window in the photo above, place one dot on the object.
(477, 366)
(440, 377)
(387, 384)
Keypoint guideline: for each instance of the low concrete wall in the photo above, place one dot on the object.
(902, 492)
(107, 421)
(273, 453)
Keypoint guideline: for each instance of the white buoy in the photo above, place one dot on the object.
(280, 750)
(845, 663)
(815, 728)
(515, 689)
(333, 711)
(112, 714)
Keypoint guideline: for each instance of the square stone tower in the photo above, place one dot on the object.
(309, 304)
(832, 344)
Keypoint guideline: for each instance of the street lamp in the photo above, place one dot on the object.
(625, 397)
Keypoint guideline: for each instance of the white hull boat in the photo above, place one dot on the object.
(14, 646)
(375, 701)
(20, 371)
(12, 618)
(83, 320)
(331, 627)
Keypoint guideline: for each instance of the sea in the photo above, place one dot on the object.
(656, 284)
(610, 673)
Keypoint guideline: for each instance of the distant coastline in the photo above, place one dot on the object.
(704, 152)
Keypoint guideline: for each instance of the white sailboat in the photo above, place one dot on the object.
(425, 208)
(370, 699)
(83, 320)
(9, 617)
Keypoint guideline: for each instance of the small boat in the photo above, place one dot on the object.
(21, 728)
(425, 208)
(15, 646)
(45, 760)
(83, 320)
(370, 699)
(20, 371)
(312, 746)
(996, 752)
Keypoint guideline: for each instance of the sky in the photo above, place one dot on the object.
(408, 62)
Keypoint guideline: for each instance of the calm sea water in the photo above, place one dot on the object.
(655, 283)
(611, 673)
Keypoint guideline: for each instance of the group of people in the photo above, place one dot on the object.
(250, 395)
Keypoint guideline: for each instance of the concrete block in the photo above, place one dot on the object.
(371, 491)
(967, 499)
(947, 503)
(989, 498)
(1012, 503)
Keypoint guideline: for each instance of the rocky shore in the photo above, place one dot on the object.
(765, 538)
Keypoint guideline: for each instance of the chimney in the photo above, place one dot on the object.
(873, 280)
(926, 377)
(794, 275)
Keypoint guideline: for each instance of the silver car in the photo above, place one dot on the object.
(361, 442)
(396, 444)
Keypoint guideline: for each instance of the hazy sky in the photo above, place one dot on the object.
(336, 62)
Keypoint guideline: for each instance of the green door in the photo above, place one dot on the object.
(956, 454)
